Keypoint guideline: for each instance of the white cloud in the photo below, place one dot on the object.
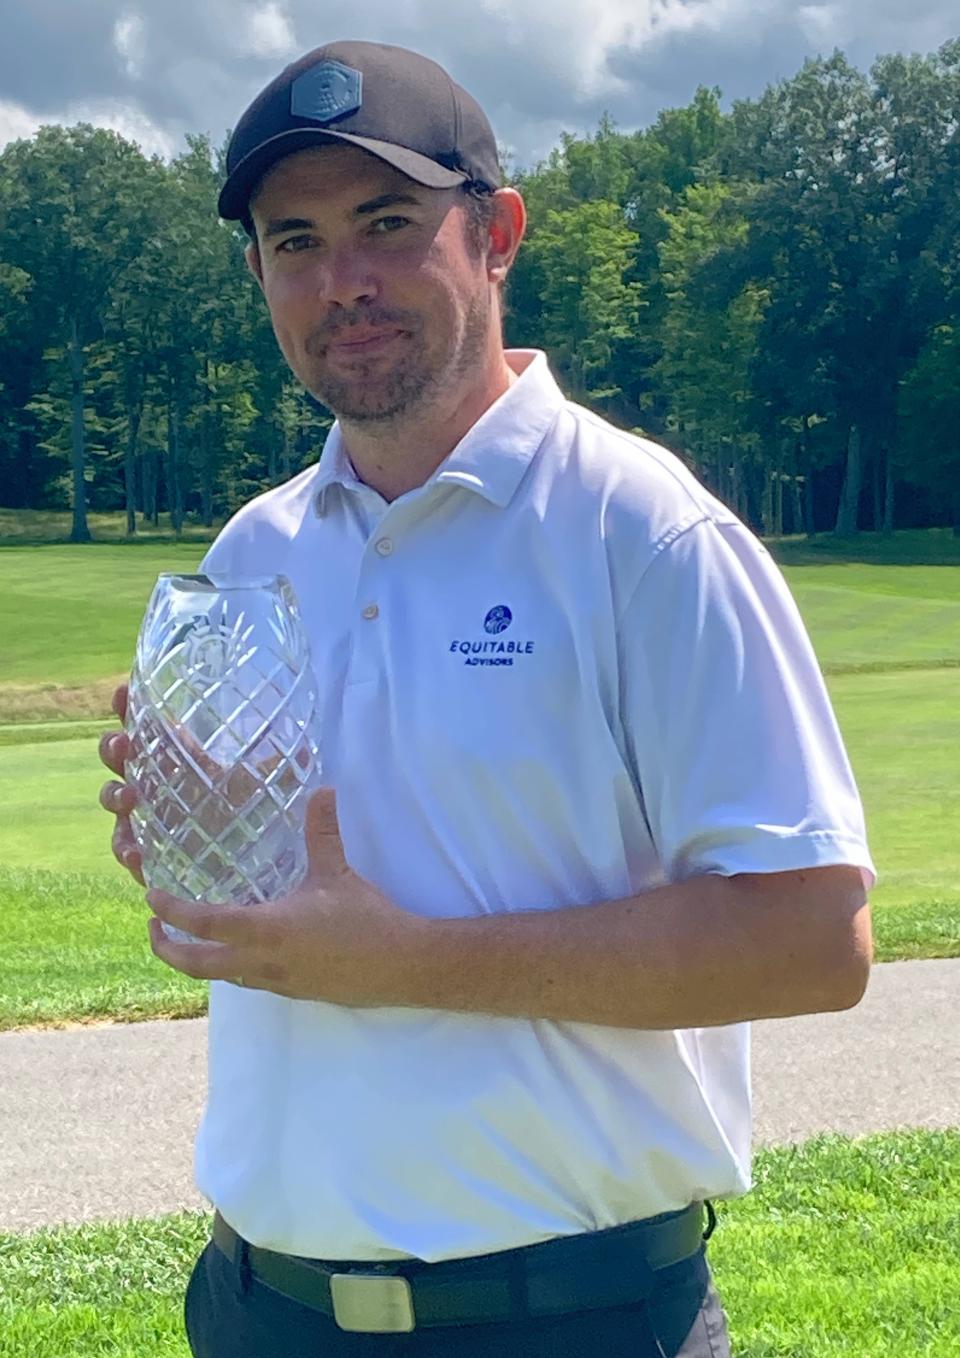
(17, 123)
(129, 38)
(127, 119)
(269, 33)
(536, 66)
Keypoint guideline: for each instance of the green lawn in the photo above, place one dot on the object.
(73, 933)
(844, 1249)
(72, 938)
(75, 611)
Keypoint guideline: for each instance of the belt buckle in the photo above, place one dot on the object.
(372, 1304)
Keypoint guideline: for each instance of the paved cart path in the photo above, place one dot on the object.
(98, 1123)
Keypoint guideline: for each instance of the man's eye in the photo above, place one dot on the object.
(389, 224)
(294, 244)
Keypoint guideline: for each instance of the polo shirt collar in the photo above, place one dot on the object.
(493, 455)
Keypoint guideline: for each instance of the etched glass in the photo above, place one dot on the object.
(220, 716)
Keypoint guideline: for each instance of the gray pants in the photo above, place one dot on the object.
(230, 1314)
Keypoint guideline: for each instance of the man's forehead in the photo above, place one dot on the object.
(341, 173)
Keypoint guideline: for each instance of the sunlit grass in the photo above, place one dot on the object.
(844, 1249)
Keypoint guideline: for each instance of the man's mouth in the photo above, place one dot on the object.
(364, 344)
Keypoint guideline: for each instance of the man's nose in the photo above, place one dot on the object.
(347, 278)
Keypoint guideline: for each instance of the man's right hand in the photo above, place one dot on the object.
(120, 798)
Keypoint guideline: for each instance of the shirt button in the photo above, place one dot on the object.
(370, 612)
(385, 546)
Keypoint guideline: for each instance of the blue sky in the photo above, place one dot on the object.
(160, 68)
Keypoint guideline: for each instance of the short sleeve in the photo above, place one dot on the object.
(735, 747)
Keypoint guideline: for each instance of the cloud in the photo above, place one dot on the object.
(129, 40)
(536, 66)
(269, 33)
(16, 123)
(129, 121)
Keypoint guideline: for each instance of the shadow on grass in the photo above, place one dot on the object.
(912, 547)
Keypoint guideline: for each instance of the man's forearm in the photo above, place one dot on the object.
(707, 951)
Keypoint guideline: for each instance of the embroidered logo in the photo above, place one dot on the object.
(493, 652)
(326, 91)
(498, 619)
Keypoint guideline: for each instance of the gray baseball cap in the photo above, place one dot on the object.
(396, 104)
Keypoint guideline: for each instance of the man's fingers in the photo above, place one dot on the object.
(236, 925)
(120, 798)
(125, 850)
(119, 701)
(201, 960)
(114, 749)
(324, 846)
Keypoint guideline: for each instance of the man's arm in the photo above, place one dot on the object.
(711, 950)
(707, 951)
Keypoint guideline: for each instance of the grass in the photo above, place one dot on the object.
(845, 1249)
(73, 934)
(40, 527)
(884, 615)
(75, 613)
(74, 949)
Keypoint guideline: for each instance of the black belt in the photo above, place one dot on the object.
(568, 1273)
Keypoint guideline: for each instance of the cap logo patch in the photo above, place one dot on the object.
(327, 91)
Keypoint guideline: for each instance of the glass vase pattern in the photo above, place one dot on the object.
(220, 718)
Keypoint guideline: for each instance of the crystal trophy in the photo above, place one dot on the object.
(220, 716)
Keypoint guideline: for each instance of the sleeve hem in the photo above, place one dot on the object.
(784, 853)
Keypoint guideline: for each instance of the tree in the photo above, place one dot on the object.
(75, 205)
(587, 307)
(928, 449)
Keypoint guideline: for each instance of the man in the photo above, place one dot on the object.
(592, 811)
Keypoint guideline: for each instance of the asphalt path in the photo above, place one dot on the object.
(97, 1123)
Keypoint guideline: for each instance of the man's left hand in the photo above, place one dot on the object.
(335, 938)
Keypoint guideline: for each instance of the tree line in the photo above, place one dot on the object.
(772, 291)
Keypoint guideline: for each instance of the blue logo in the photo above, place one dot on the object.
(498, 619)
(325, 92)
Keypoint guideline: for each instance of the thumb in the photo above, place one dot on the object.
(324, 846)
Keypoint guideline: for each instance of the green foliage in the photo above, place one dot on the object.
(930, 417)
(772, 291)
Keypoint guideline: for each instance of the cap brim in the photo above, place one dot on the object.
(236, 193)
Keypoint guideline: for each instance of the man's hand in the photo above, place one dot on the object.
(335, 938)
(120, 798)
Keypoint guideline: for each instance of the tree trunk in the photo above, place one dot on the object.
(846, 524)
(81, 530)
(879, 458)
(130, 468)
(155, 487)
(206, 486)
(148, 481)
(735, 492)
(888, 499)
(174, 494)
(809, 521)
(797, 483)
(778, 493)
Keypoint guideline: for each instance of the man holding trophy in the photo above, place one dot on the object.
(477, 1077)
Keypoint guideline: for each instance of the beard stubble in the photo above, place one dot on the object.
(416, 380)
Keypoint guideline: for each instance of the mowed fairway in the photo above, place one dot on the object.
(73, 932)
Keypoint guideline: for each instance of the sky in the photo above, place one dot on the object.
(157, 69)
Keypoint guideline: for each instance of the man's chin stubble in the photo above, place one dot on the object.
(349, 401)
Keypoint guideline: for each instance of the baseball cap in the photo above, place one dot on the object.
(396, 104)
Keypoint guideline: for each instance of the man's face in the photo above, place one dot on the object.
(379, 305)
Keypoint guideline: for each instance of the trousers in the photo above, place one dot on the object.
(228, 1313)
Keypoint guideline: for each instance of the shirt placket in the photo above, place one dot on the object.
(373, 589)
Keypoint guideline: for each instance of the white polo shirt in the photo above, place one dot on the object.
(558, 673)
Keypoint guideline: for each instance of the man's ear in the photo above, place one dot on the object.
(506, 232)
(252, 255)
